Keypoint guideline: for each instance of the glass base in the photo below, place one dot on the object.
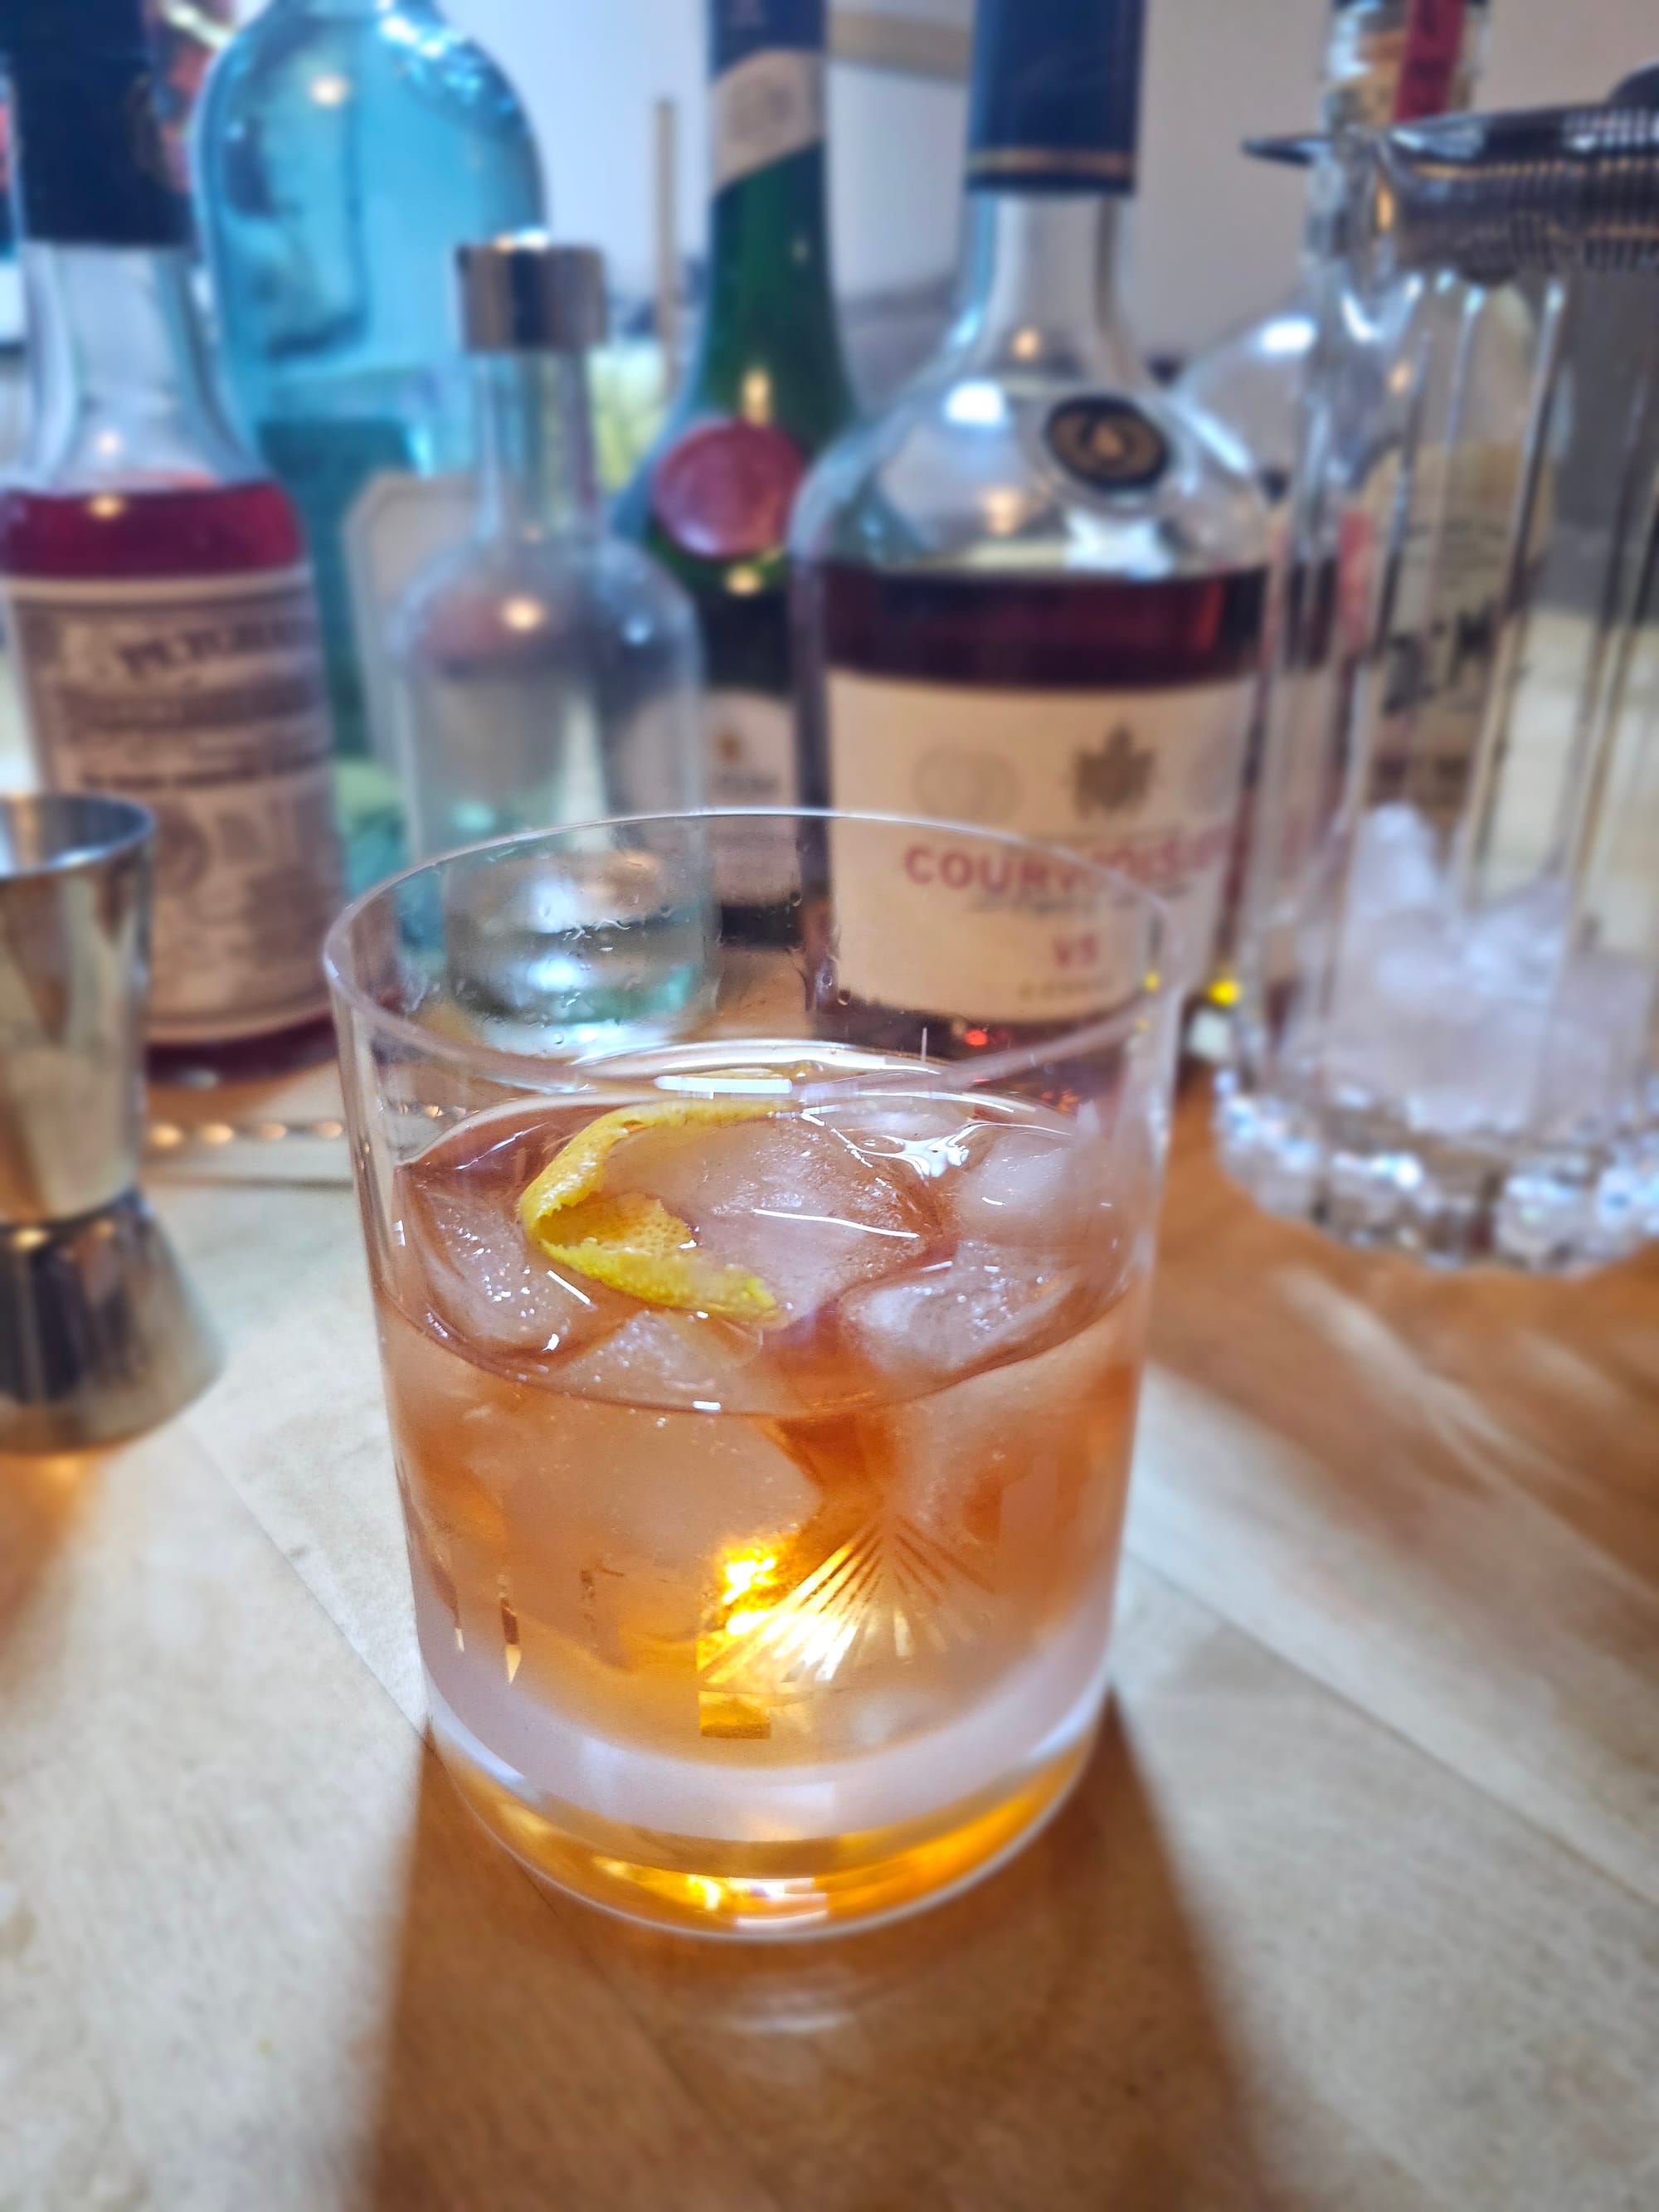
(704, 1886)
(1369, 1179)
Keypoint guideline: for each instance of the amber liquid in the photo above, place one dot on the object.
(198, 531)
(673, 1577)
(1018, 635)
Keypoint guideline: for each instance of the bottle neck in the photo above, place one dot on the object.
(1040, 289)
(536, 474)
(1385, 60)
(1392, 61)
(770, 315)
(122, 392)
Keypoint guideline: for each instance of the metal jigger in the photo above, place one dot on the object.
(99, 1335)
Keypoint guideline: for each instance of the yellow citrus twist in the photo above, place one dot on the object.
(631, 1242)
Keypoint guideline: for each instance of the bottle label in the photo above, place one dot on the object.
(724, 492)
(1109, 444)
(397, 525)
(1146, 782)
(765, 109)
(751, 762)
(202, 697)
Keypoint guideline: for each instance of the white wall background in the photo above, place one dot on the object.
(1216, 234)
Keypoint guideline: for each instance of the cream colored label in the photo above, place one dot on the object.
(1146, 783)
(765, 109)
(751, 762)
(398, 524)
(202, 697)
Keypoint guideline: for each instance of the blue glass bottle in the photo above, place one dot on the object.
(344, 150)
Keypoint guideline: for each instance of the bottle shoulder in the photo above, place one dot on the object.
(537, 589)
(1033, 472)
(1249, 384)
(336, 71)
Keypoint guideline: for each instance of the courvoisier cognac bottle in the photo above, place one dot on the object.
(1030, 594)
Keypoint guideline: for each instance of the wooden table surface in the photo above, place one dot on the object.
(1359, 1906)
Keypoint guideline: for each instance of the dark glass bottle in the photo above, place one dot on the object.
(155, 581)
(1030, 592)
(769, 392)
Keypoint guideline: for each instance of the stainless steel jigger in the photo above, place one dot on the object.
(99, 1335)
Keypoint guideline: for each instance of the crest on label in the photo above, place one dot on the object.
(1109, 444)
(1116, 778)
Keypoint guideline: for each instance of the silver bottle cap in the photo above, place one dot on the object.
(522, 294)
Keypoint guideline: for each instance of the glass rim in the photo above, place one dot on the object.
(598, 1073)
(86, 829)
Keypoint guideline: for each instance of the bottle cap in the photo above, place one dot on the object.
(91, 167)
(1054, 105)
(75, 28)
(740, 29)
(522, 294)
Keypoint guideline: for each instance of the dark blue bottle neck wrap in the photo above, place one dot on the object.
(1056, 96)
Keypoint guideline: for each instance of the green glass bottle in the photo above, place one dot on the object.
(768, 392)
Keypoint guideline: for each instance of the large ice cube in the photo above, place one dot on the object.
(1021, 1470)
(1069, 1200)
(925, 1134)
(624, 1520)
(488, 1285)
(680, 1360)
(983, 1307)
(1019, 1185)
(788, 1198)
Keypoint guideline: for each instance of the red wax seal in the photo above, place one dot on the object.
(725, 491)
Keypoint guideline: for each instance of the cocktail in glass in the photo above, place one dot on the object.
(761, 1396)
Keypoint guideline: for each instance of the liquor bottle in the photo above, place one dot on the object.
(1030, 594)
(546, 672)
(154, 579)
(768, 392)
(344, 150)
(1386, 61)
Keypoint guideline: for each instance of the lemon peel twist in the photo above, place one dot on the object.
(631, 1242)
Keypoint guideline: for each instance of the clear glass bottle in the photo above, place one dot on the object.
(1030, 594)
(1386, 61)
(546, 672)
(768, 391)
(154, 583)
(344, 150)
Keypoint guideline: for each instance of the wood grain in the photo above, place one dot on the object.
(1438, 1494)
(1356, 1908)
